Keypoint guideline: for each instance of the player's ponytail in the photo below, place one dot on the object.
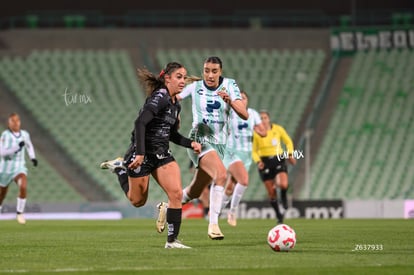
(192, 78)
(152, 82)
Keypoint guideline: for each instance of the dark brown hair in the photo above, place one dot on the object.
(214, 60)
(152, 82)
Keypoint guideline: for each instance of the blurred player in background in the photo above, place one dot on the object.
(13, 144)
(212, 99)
(238, 157)
(157, 124)
(269, 155)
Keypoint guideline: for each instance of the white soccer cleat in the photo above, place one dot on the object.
(113, 164)
(214, 232)
(162, 216)
(20, 218)
(175, 244)
(232, 219)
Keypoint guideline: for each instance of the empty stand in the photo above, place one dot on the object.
(367, 149)
(88, 101)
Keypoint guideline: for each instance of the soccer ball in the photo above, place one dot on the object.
(281, 238)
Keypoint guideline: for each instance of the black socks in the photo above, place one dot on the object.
(174, 223)
(283, 195)
(123, 179)
(275, 206)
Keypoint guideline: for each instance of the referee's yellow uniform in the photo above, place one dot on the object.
(271, 145)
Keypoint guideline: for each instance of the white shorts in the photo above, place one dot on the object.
(206, 147)
(6, 178)
(232, 156)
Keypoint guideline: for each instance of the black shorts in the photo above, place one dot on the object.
(150, 163)
(272, 167)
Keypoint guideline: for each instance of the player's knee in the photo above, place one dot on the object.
(244, 181)
(271, 194)
(221, 178)
(283, 184)
(176, 195)
(137, 202)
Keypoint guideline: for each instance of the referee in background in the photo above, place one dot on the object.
(270, 158)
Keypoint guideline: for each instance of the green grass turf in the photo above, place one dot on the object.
(132, 246)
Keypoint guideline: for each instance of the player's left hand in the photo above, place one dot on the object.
(34, 161)
(225, 96)
(292, 160)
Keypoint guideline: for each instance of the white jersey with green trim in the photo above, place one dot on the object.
(241, 131)
(210, 112)
(12, 157)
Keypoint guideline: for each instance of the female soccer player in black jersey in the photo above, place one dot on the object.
(156, 125)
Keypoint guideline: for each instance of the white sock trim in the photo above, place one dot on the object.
(216, 201)
(237, 196)
(21, 204)
(226, 200)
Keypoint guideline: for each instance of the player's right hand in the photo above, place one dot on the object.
(196, 147)
(260, 165)
(139, 159)
(292, 160)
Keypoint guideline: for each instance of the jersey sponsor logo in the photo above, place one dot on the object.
(242, 126)
(170, 120)
(210, 121)
(211, 106)
(201, 92)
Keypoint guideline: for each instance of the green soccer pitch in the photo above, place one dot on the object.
(132, 246)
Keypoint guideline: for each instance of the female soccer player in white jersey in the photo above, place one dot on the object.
(238, 157)
(212, 99)
(13, 142)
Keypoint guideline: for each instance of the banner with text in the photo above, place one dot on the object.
(346, 41)
(332, 209)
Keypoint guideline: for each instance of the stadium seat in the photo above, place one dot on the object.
(371, 128)
(90, 131)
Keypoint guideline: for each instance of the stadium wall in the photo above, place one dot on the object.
(353, 209)
(22, 41)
